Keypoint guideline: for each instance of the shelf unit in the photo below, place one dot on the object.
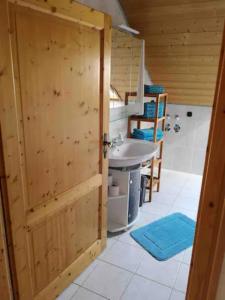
(156, 162)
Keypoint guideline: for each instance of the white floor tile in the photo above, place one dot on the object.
(83, 294)
(69, 292)
(144, 289)
(188, 213)
(110, 243)
(126, 238)
(123, 255)
(164, 198)
(179, 257)
(177, 295)
(164, 272)
(83, 276)
(186, 202)
(108, 281)
(171, 188)
(146, 217)
(182, 278)
(157, 208)
(191, 191)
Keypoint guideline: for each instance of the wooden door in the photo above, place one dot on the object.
(5, 279)
(54, 84)
(209, 245)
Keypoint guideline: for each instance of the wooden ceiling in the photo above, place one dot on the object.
(183, 40)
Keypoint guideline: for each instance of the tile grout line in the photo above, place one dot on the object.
(175, 280)
(93, 292)
(127, 285)
(135, 273)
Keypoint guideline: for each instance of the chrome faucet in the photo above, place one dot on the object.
(117, 141)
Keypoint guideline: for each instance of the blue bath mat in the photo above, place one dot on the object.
(166, 237)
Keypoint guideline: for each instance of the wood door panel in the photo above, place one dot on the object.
(54, 90)
(58, 241)
(62, 152)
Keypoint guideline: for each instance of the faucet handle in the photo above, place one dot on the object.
(121, 137)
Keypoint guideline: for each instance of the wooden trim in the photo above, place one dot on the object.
(5, 276)
(7, 263)
(129, 94)
(143, 119)
(9, 120)
(64, 279)
(66, 9)
(104, 126)
(38, 214)
(209, 245)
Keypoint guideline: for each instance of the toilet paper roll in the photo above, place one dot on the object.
(114, 190)
(110, 180)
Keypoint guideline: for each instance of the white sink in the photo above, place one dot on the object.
(131, 152)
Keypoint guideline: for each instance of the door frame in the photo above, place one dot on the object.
(5, 264)
(80, 14)
(209, 244)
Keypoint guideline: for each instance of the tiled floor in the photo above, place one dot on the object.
(125, 271)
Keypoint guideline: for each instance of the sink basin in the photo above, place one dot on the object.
(131, 152)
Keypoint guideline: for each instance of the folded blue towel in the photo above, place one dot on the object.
(154, 89)
(147, 134)
(150, 139)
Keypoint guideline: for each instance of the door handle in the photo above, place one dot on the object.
(106, 144)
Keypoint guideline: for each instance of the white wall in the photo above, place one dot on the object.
(184, 151)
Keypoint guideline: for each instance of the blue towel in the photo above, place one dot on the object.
(167, 236)
(150, 109)
(154, 89)
(150, 139)
(147, 134)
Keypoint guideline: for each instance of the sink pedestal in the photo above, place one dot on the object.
(123, 209)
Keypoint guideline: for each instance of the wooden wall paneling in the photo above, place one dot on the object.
(56, 175)
(121, 41)
(180, 11)
(187, 26)
(187, 38)
(183, 40)
(182, 50)
(125, 64)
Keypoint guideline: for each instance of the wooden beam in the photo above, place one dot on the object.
(67, 9)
